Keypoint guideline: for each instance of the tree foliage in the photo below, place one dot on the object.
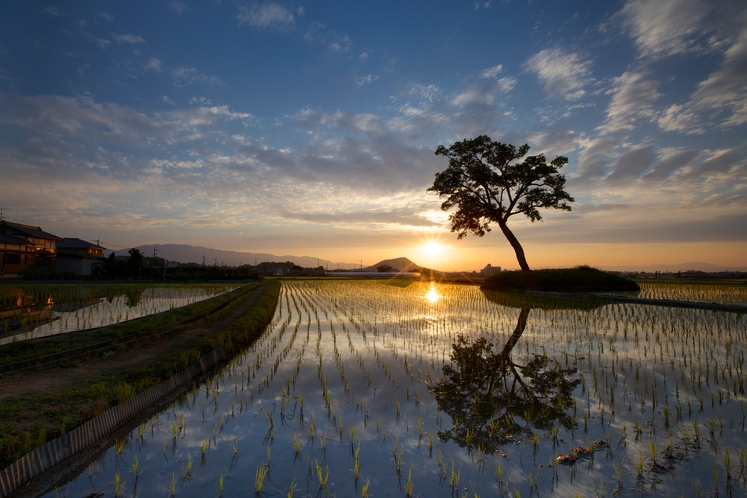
(487, 185)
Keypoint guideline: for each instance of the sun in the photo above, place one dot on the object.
(433, 249)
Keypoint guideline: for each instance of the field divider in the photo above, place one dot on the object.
(734, 308)
(53, 452)
(101, 345)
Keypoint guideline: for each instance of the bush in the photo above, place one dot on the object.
(579, 279)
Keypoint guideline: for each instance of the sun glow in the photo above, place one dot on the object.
(431, 253)
(432, 295)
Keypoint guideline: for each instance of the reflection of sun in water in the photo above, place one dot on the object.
(432, 295)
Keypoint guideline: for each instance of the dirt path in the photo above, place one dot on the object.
(55, 379)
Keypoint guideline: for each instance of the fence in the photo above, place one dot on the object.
(53, 452)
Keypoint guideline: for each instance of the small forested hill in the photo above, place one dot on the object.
(401, 264)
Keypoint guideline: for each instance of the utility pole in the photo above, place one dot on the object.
(203, 260)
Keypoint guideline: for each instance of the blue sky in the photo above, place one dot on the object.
(310, 128)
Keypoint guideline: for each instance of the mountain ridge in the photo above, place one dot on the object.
(184, 253)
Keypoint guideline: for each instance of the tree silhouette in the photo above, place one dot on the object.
(487, 186)
(492, 399)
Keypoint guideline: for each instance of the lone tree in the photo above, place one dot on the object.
(487, 186)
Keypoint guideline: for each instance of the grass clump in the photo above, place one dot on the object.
(579, 279)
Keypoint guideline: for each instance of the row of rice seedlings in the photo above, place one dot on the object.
(723, 293)
(394, 345)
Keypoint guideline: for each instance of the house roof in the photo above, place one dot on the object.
(75, 243)
(29, 230)
(11, 239)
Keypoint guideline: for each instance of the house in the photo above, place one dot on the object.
(490, 269)
(80, 257)
(25, 246)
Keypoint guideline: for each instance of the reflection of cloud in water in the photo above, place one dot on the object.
(389, 345)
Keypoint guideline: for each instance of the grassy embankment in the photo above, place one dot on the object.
(580, 279)
(30, 420)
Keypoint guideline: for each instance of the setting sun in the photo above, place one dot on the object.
(432, 249)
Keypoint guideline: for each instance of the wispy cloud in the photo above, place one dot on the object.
(153, 64)
(664, 27)
(562, 74)
(633, 95)
(129, 38)
(183, 76)
(177, 6)
(723, 95)
(366, 80)
(269, 15)
(491, 72)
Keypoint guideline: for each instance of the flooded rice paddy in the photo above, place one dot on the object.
(362, 388)
(33, 311)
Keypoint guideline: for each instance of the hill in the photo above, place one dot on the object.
(401, 264)
(183, 253)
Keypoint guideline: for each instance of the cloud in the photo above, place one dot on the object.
(664, 27)
(366, 80)
(484, 93)
(177, 6)
(632, 164)
(556, 142)
(127, 38)
(201, 101)
(329, 38)
(427, 92)
(184, 76)
(633, 96)
(491, 72)
(671, 162)
(562, 74)
(270, 15)
(153, 64)
(168, 100)
(724, 91)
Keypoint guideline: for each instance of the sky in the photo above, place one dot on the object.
(309, 128)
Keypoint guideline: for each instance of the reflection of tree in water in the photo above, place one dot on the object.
(491, 398)
(133, 294)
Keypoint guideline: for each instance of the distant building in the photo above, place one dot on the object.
(80, 257)
(25, 246)
(490, 269)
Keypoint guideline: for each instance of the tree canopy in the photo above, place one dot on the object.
(486, 185)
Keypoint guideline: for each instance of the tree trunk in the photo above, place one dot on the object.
(516, 245)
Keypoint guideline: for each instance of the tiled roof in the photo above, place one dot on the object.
(28, 230)
(11, 239)
(75, 243)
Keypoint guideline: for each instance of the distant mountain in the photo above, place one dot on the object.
(401, 264)
(195, 254)
(706, 267)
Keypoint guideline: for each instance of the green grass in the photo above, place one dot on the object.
(30, 420)
(580, 279)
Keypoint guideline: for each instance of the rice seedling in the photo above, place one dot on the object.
(260, 480)
(119, 486)
(373, 338)
(409, 487)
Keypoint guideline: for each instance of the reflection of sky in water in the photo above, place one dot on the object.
(105, 312)
(364, 370)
